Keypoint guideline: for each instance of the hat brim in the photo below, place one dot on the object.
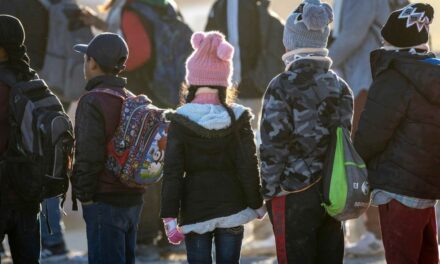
(81, 48)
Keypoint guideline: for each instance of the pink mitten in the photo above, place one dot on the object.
(173, 234)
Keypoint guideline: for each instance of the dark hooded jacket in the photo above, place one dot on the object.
(399, 131)
(211, 168)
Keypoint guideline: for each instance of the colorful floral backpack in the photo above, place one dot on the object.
(136, 151)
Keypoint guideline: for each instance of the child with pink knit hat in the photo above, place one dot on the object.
(211, 176)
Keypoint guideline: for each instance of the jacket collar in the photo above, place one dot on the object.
(106, 81)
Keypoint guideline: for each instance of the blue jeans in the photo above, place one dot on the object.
(54, 216)
(23, 230)
(111, 232)
(227, 246)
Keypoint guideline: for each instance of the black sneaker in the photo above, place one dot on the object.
(54, 253)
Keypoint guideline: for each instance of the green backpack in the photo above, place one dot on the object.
(345, 186)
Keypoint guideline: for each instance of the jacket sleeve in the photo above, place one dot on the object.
(352, 34)
(385, 109)
(247, 165)
(276, 128)
(174, 170)
(90, 149)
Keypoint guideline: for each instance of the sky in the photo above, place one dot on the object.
(196, 12)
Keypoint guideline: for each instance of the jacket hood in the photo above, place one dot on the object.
(424, 76)
(207, 119)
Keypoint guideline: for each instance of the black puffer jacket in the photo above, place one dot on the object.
(209, 173)
(399, 131)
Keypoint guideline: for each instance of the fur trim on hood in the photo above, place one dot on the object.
(209, 120)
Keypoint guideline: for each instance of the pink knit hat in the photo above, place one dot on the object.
(211, 62)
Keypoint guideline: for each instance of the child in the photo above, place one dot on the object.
(111, 209)
(398, 136)
(300, 107)
(19, 218)
(211, 177)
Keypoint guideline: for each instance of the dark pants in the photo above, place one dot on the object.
(304, 232)
(111, 232)
(227, 246)
(23, 230)
(409, 235)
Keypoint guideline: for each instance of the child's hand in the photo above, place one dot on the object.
(174, 235)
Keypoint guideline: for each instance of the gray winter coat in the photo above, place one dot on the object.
(300, 107)
(359, 35)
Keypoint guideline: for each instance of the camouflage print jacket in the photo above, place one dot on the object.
(300, 105)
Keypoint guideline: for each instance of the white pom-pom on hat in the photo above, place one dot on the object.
(225, 51)
(197, 39)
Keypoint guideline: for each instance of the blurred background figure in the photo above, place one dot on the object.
(63, 68)
(258, 51)
(257, 59)
(140, 23)
(147, 25)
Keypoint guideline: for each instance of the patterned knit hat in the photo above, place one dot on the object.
(211, 62)
(409, 26)
(308, 26)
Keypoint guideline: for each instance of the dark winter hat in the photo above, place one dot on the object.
(409, 26)
(108, 49)
(12, 37)
(308, 26)
(11, 31)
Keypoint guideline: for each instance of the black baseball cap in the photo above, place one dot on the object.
(109, 50)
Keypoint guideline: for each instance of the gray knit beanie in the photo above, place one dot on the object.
(308, 26)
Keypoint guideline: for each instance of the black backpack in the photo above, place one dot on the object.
(39, 157)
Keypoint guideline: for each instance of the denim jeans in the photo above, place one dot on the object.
(111, 233)
(54, 216)
(227, 246)
(23, 230)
